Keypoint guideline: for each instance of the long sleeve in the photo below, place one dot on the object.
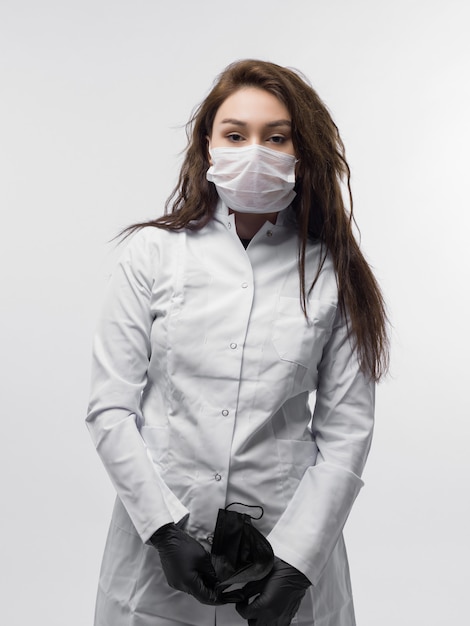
(121, 353)
(308, 530)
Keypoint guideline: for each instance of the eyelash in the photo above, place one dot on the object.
(236, 138)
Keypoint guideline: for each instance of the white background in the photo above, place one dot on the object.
(94, 94)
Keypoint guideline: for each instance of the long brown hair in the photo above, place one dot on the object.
(319, 206)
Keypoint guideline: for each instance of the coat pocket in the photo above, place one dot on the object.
(296, 338)
(295, 457)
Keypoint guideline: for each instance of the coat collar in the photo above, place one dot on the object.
(222, 214)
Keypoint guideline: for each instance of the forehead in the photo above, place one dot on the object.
(252, 104)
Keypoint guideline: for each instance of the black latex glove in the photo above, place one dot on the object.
(280, 598)
(187, 566)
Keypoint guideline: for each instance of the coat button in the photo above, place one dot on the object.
(269, 233)
(233, 346)
(217, 477)
(244, 285)
(225, 412)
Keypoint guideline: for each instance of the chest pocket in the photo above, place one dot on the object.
(296, 339)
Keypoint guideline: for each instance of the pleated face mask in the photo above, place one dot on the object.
(240, 555)
(253, 179)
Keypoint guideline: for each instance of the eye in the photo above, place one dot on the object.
(234, 137)
(277, 139)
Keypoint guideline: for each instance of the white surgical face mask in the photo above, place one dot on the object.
(253, 179)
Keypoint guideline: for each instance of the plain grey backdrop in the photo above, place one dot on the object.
(94, 96)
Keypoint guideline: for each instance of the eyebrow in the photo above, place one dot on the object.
(276, 123)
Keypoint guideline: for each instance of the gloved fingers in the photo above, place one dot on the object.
(277, 622)
(253, 588)
(262, 622)
(258, 613)
(207, 571)
(232, 597)
(209, 581)
(203, 564)
(248, 610)
(202, 592)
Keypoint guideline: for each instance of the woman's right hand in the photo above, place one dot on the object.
(186, 564)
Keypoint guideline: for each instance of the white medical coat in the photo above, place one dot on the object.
(202, 369)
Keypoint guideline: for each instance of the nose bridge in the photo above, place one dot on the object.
(255, 138)
(254, 132)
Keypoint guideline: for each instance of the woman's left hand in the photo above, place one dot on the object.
(280, 598)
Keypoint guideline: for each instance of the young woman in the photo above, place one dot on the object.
(221, 319)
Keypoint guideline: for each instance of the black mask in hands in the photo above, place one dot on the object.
(240, 555)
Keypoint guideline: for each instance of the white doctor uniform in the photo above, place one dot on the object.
(203, 364)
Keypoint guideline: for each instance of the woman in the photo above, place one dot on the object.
(222, 317)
